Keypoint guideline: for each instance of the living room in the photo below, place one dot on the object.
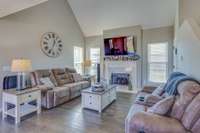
(109, 66)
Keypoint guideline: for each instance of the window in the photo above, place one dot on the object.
(157, 62)
(95, 59)
(78, 59)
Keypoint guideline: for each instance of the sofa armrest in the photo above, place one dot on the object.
(150, 100)
(152, 123)
(148, 89)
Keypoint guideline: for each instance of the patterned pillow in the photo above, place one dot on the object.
(47, 82)
(162, 107)
(77, 77)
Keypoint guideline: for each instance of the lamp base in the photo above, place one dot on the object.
(20, 82)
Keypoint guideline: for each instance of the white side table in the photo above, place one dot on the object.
(21, 100)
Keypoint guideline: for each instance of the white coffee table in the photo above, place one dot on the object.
(98, 100)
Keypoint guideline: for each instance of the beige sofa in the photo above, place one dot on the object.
(65, 86)
(183, 117)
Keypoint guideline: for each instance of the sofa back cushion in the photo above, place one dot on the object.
(192, 113)
(70, 70)
(187, 91)
(33, 79)
(45, 73)
(62, 77)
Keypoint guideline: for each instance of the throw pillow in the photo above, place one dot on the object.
(162, 107)
(47, 82)
(158, 91)
(77, 77)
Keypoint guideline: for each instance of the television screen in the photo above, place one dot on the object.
(119, 46)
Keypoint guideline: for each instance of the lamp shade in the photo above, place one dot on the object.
(87, 63)
(21, 65)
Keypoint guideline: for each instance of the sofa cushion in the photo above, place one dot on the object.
(152, 123)
(84, 84)
(192, 113)
(62, 77)
(187, 90)
(162, 107)
(61, 91)
(77, 86)
(77, 77)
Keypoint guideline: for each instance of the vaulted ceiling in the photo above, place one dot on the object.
(8, 7)
(96, 15)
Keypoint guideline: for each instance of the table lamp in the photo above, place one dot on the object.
(21, 66)
(87, 64)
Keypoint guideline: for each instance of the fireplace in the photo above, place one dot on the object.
(120, 78)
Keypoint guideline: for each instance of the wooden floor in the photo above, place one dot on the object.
(70, 118)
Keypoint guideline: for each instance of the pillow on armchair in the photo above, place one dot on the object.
(47, 82)
(162, 107)
(77, 77)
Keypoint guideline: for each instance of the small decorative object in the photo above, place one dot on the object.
(134, 57)
(21, 66)
(98, 87)
(51, 44)
(130, 87)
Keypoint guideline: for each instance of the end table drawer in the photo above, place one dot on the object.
(29, 97)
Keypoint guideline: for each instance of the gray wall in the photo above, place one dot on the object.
(20, 35)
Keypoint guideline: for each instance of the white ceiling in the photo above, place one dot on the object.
(8, 7)
(96, 15)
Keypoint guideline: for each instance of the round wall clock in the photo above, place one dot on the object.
(51, 44)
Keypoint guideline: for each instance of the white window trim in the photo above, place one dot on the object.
(148, 82)
(91, 57)
(80, 63)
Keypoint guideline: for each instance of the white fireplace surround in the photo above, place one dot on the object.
(129, 67)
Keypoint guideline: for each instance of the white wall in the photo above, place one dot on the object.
(187, 38)
(20, 35)
(188, 45)
(157, 35)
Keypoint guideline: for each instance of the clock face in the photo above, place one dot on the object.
(51, 44)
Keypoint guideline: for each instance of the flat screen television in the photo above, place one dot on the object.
(124, 45)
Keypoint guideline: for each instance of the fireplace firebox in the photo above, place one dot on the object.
(120, 78)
